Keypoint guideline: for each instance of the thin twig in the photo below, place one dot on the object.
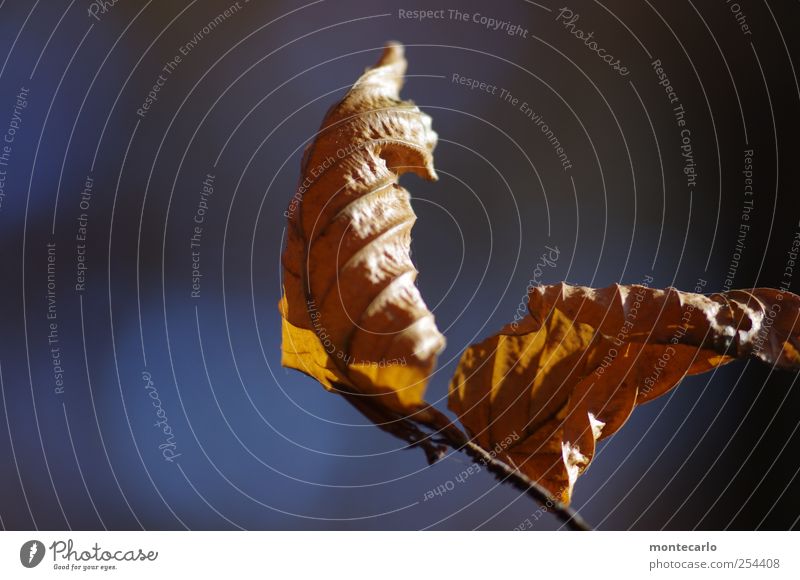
(447, 432)
(456, 439)
(522, 482)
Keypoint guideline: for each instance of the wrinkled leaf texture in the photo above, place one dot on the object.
(352, 315)
(572, 371)
(540, 393)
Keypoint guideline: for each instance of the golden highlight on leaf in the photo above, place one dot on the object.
(536, 397)
(571, 372)
(352, 315)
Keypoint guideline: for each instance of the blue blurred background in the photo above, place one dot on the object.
(93, 374)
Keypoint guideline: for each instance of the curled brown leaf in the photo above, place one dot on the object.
(352, 315)
(573, 370)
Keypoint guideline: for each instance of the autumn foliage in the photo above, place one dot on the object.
(565, 376)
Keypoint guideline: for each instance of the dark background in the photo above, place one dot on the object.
(265, 448)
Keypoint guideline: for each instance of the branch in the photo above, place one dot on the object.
(447, 432)
(522, 482)
(456, 439)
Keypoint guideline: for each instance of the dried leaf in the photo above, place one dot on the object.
(572, 371)
(353, 317)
